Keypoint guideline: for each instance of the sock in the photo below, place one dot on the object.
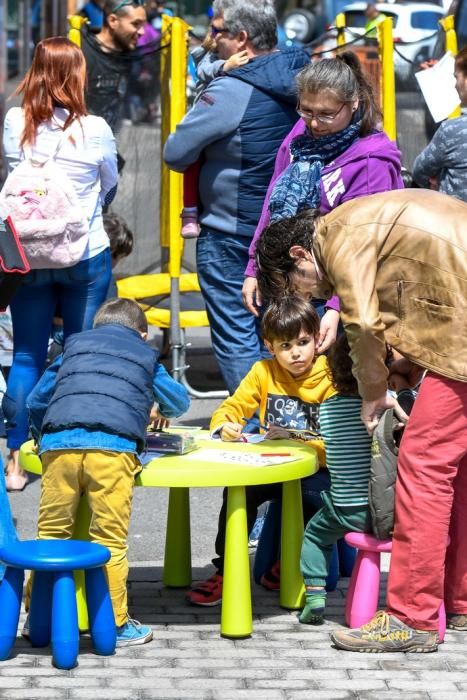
(190, 213)
(315, 601)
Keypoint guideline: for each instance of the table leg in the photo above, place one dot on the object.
(177, 558)
(81, 532)
(236, 616)
(292, 588)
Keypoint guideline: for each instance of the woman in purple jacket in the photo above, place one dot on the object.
(334, 153)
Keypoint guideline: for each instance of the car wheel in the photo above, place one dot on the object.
(300, 25)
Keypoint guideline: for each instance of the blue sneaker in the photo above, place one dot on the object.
(133, 633)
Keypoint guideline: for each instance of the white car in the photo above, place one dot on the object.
(412, 22)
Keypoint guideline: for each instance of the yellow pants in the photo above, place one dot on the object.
(107, 480)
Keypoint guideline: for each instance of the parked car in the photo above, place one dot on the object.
(415, 27)
(415, 31)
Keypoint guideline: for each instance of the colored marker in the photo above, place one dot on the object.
(276, 454)
(263, 427)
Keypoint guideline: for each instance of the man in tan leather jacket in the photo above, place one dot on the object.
(398, 262)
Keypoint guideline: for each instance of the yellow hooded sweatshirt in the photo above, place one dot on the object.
(282, 399)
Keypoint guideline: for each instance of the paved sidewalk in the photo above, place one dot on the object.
(283, 660)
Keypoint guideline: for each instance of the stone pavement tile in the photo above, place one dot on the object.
(103, 693)
(279, 683)
(414, 662)
(247, 674)
(251, 694)
(318, 674)
(390, 695)
(16, 681)
(321, 695)
(447, 695)
(348, 684)
(427, 686)
(32, 694)
(373, 673)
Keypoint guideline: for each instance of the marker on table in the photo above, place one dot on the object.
(276, 454)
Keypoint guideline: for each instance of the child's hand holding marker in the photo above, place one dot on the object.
(232, 431)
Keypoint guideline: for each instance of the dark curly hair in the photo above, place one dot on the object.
(340, 365)
(272, 251)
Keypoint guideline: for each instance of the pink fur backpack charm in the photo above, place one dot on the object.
(40, 199)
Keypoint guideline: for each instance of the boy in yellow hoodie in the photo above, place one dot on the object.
(287, 390)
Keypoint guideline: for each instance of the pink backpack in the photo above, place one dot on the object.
(41, 200)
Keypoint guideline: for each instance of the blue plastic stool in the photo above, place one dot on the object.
(53, 615)
(342, 561)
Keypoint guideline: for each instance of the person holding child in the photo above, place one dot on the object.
(89, 412)
(287, 391)
(398, 262)
(236, 127)
(335, 152)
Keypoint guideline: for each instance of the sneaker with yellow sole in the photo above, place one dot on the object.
(386, 633)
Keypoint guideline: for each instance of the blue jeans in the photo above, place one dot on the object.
(235, 332)
(78, 291)
(7, 528)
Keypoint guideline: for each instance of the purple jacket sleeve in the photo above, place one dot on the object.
(281, 163)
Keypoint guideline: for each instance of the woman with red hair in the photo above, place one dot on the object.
(53, 100)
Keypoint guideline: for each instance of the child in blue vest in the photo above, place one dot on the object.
(89, 413)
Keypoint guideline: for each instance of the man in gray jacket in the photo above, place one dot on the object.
(236, 128)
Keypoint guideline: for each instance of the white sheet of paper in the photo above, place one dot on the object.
(438, 87)
(251, 459)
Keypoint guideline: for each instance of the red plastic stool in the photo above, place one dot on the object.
(362, 597)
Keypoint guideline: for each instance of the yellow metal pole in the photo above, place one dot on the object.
(165, 128)
(386, 53)
(450, 45)
(340, 26)
(178, 73)
(75, 22)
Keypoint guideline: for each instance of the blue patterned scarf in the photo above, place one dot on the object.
(298, 187)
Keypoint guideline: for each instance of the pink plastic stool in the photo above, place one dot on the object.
(362, 597)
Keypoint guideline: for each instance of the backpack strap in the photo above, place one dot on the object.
(66, 133)
(387, 421)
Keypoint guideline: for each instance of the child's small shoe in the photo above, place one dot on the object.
(271, 580)
(310, 616)
(132, 633)
(313, 612)
(190, 225)
(190, 230)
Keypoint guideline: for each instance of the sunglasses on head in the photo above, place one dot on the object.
(127, 3)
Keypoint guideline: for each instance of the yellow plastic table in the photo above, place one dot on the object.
(182, 472)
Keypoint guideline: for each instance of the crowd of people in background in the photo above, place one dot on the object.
(316, 266)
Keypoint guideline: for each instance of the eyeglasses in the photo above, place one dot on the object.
(127, 3)
(218, 30)
(321, 118)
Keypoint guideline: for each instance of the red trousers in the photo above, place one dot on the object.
(431, 506)
(190, 184)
